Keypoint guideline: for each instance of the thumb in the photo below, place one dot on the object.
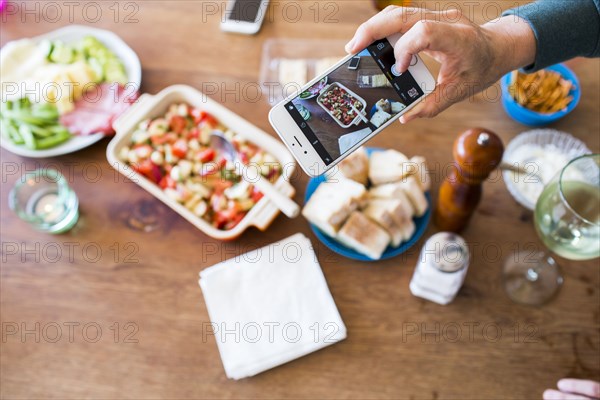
(444, 95)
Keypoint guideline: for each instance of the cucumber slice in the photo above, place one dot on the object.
(62, 54)
(98, 69)
(114, 71)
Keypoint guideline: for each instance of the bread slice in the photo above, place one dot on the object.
(393, 207)
(421, 172)
(332, 202)
(355, 167)
(386, 166)
(415, 195)
(384, 219)
(379, 118)
(392, 191)
(408, 229)
(364, 236)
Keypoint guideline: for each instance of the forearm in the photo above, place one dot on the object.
(562, 29)
(513, 42)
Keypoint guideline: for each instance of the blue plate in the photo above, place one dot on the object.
(420, 227)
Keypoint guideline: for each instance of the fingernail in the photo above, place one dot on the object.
(550, 394)
(563, 385)
(350, 46)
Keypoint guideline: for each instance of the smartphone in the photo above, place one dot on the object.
(244, 16)
(337, 112)
(354, 63)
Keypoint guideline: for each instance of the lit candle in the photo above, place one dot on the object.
(49, 208)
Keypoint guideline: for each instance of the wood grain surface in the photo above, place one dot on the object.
(140, 288)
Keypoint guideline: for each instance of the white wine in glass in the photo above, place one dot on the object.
(567, 220)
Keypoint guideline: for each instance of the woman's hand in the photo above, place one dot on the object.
(574, 389)
(472, 57)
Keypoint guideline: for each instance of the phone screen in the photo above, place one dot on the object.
(245, 10)
(328, 112)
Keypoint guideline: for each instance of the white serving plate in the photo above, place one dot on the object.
(69, 34)
(152, 106)
(331, 86)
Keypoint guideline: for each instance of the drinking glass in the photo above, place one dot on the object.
(567, 220)
(44, 199)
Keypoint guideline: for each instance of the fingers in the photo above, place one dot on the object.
(389, 21)
(444, 95)
(580, 386)
(395, 20)
(551, 394)
(424, 35)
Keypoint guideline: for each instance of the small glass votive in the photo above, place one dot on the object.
(44, 199)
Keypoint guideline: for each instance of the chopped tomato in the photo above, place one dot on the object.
(148, 169)
(235, 220)
(273, 171)
(221, 184)
(208, 120)
(177, 123)
(219, 220)
(197, 114)
(256, 195)
(143, 167)
(227, 219)
(206, 155)
(169, 137)
(194, 133)
(244, 158)
(180, 148)
(167, 182)
(203, 117)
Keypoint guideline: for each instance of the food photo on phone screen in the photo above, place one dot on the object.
(353, 101)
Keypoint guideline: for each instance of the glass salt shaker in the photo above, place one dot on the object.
(442, 268)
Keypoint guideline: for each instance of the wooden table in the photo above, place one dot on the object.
(140, 288)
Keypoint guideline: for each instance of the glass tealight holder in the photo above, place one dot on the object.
(44, 199)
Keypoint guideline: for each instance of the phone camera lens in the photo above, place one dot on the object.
(305, 152)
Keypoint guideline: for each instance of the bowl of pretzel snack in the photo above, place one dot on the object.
(542, 97)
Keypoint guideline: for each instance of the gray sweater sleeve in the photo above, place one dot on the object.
(563, 29)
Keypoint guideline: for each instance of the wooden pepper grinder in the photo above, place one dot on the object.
(477, 152)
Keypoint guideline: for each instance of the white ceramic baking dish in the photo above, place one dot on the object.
(331, 86)
(152, 106)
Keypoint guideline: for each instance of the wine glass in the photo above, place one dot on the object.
(567, 220)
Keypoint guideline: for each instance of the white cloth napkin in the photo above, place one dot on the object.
(270, 306)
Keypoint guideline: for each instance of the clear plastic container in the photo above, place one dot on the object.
(315, 57)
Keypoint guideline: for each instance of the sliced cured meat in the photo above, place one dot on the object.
(88, 121)
(97, 109)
